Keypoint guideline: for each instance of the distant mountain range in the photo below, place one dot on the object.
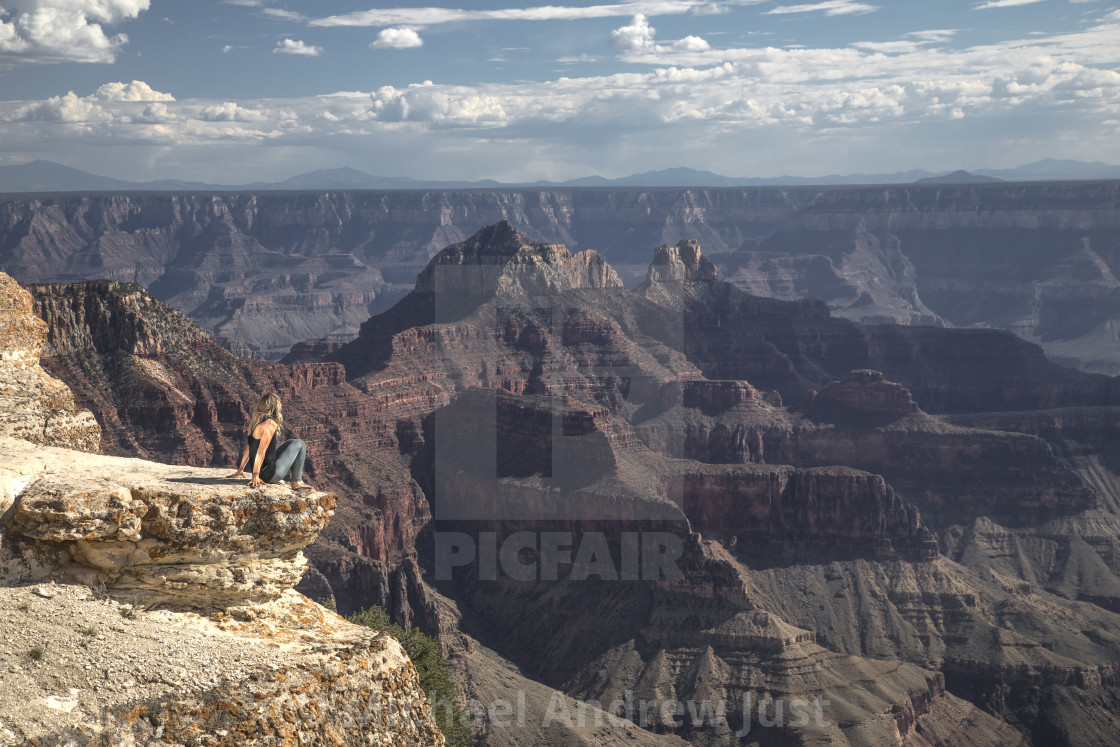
(48, 176)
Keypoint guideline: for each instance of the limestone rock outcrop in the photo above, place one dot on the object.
(285, 672)
(234, 656)
(498, 259)
(681, 262)
(164, 390)
(863, 398)
(163, 534)
(34, 405)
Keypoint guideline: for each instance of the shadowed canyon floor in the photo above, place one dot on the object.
(918, 525)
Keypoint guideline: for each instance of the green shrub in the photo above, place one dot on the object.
(429, 662)
(38, 653)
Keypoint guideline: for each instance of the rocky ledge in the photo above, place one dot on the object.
(168, 535)
(82, 669)
(152, 603)
(144, 603)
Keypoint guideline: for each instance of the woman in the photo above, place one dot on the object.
(271, 463)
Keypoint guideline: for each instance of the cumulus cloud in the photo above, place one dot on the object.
(137, 90)
(828, 7)
(635, 37)
(63, 109)
(397, 38)
(52, 31)
(691, 44)
(638, 37)
(689, 93)
(294, 46)
(230, 111)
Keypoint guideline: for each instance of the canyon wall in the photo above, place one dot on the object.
(96, 543)
(267, 270)
(939, 581)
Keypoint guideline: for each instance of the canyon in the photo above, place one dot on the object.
(147, 603)
(264, 271)
(916, 524)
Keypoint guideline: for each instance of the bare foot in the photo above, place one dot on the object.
(300, 486)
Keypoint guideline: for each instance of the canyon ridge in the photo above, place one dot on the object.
(263, 271)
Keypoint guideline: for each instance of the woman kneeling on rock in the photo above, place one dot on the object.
(270, 462)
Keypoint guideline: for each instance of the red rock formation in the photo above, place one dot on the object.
(775, 504)
(162, 389)
(864, 398)
(541, 404)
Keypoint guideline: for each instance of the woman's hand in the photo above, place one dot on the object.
(256, 482)
(236, 475)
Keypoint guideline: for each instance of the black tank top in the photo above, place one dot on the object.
(269, 452)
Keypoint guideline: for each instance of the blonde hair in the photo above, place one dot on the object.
(267, 407)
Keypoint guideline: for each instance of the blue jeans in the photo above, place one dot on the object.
(289, 456)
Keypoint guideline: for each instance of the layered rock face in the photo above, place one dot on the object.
(1038, 261)
(834, 539)
(34, 405)
(798, 348)
(168, 535)
(275, 268)
(863, 398)
(234, 656)
(164, 390)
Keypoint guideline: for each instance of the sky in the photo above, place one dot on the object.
(234, 91)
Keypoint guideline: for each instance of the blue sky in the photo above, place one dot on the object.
(240, 90)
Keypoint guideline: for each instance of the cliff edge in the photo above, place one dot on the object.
(147, 603)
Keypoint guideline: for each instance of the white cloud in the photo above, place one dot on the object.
(934, 35)
(137, 90)
(635, 37)
(691, 44)
(638, 37)
(433, 16)
(691, 94)
(230, 111)
(284, 15)
(397, 38)
(63, 109)
(51, 31)
(1005, 3)
(157, 112)
(828, 7)
(294, 46)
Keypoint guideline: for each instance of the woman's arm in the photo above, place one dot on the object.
(264, 435)
(241, 467)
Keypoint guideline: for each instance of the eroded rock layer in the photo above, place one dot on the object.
(34, 405)
(835, 537)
